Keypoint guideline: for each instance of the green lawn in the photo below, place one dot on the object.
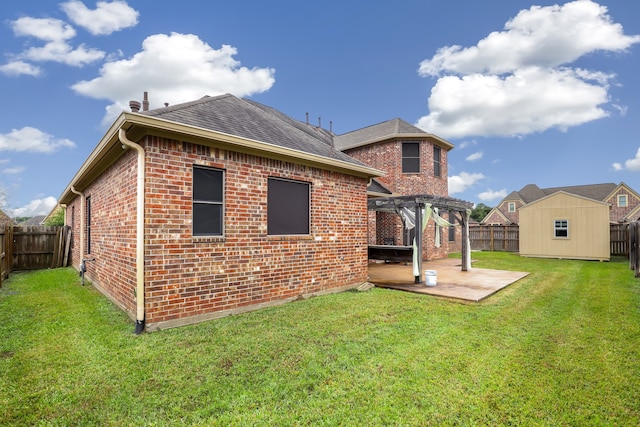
(560, 347)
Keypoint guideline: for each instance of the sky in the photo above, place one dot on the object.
(528, 92)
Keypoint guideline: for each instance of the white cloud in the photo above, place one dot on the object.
(19, 68)
(56, 34)
(14, 170)
(60, 51)
(475, 156)
(464, 181)
(516, 81)
(105, 19)
(630, 164)
(490, 195)
(540, 36)
(36, 207)
(530, 100)
(467, 143)
(174, 68)
(47, 29)
(32, 140)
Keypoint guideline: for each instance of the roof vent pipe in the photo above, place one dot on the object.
(145, 102)
(135, 106)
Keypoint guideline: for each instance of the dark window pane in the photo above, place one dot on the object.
(207, 185)
(410, 149)
(410, 165)
(562, 233)
(207, 201)
(410, 157)
(287, 207)
(436, 161)
(207, 219)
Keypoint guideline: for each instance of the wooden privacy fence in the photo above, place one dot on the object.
(506, 238)
(634, 253)
(33, 248)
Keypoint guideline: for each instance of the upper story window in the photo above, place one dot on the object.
(622, 201)
(208, 203)
(288, 207)
(561, 228)
(512, 207)
(410, 157)
(437, 154)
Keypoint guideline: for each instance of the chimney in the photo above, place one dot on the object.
(145, 102)
(135, 106)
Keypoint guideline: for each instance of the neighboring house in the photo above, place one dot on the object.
(5, 219)
(214, 207)
(565, 225)
(623, 200)
(34, 220)
(414, 162)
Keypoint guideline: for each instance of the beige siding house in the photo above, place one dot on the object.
(564, 225)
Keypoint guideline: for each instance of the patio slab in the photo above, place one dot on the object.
(473, 285)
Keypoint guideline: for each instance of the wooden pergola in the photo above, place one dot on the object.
(417, 203)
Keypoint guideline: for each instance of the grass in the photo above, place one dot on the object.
(559, 347)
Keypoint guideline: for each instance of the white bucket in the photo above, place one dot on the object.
(430, 277)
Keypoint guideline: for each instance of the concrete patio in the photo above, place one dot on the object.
(473, 285)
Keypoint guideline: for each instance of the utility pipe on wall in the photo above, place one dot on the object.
(139, 231)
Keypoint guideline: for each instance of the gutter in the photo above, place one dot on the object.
(139, 293)
(82, 203)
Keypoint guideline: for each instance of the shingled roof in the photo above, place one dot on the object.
(531, 192)
(249, 119)
(395, 128)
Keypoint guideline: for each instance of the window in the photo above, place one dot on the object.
(512, 207)
(561, 228)
(88, 203)
(622, 200)
(410, 157)
(208, 204)
(288, 205)
(437, 152)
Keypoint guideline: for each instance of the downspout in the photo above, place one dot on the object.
(139, 231)
(82, 203)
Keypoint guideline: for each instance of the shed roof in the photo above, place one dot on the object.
(531, 192)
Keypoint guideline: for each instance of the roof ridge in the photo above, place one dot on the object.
(183, 105)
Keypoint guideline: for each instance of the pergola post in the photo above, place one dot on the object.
(418, 237)
(466, 259)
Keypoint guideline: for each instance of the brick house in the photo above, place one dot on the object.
(215, 207)
(623, 200)
(414, 162)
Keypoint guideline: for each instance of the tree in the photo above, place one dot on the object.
(57, 218)
(480, 211)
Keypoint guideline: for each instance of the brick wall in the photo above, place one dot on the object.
(194, 278)
(113, 232)
(618, 213)
(387, 157)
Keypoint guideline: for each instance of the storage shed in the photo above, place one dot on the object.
(565, 225)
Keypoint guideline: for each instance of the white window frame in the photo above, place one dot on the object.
(561, 225)
(624, 204)
(511, 206)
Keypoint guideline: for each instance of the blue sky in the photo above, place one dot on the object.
(528, 91)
